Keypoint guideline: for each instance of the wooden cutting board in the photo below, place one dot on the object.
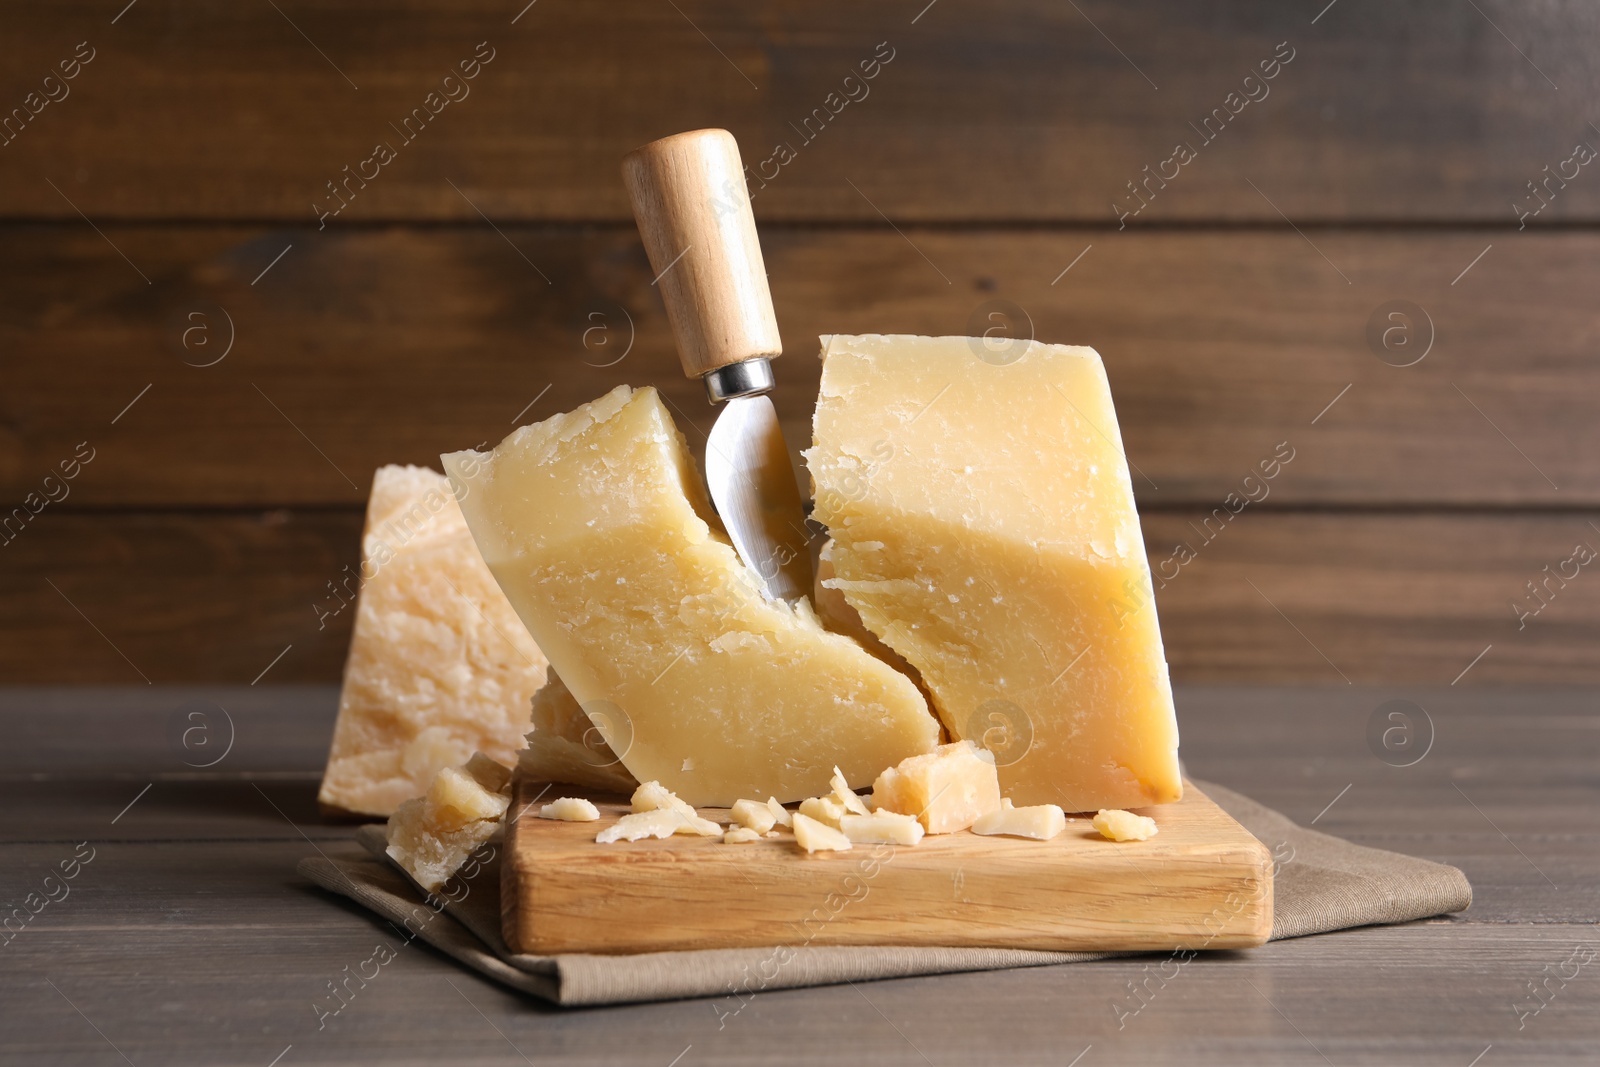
(1202, 882)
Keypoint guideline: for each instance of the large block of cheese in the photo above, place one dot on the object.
(439, 667)
(598, 528)
(983, 526)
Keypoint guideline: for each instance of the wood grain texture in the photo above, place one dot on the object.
(199, 944)
(1023, 110)
(1270, 597)
(392, 345)
(1202, 882)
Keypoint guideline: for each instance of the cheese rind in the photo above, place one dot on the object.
(983, 526)
(1041, 822)
(431, 836)
(599, 531)
(946, 790)
(439, 665)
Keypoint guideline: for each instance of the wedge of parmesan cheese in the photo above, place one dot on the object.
(439, 665)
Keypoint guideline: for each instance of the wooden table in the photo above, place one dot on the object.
(189, 938)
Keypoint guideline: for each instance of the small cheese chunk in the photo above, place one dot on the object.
(1038, 821)
(431, 836)
(597, 526)
(947, 789)
(753, 815)
(1124, 825)
(570, 809)
(439, 664)
(566, 746)
(653, 796)
(814, 836)
(740, 835)
(660, 822)
(885, 827)
(845, 795)
(826, 810)
(984, 527)
(780, 814)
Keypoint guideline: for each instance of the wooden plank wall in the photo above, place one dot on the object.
(180, 301)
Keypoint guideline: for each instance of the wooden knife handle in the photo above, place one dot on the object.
(693, 210)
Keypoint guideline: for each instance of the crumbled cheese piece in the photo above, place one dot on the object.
(780, 814)
(740, 835)
(570, 809)
(431, 836)
(753, 815)
(845, 795)
(1124, 825)
(814, 836)
(660, 822)
(1038, 821)
(652, 796)
(946, 789)
(885, 827)
(825, 810)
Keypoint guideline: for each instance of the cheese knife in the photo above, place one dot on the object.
(693, 210)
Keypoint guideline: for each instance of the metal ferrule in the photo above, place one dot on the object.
(750, 377)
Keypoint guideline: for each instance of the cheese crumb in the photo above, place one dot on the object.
(826, 810)
(740, 835)
(814, 836)
(570, 809)
(1121, 825)
(779, 813)
(661, 822)
(753, 815)
(946, 789)
(1039, 821)
(653, 796)
(882, 827)
(845, 795)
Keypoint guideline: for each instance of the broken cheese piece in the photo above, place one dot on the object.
(753, 815)
(565, 745)
(845, 795)
(946, 790)
(1038, 821)
(882, 827)
(439, 665)
(814, 836)
(431, 836)
(653, 796)
(659, 822)
(598, 528)
(780, 814)
(740, 835)
(570, 809)
(1125, 826)
(984, 527)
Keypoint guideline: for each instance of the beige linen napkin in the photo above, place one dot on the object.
(1321, 883)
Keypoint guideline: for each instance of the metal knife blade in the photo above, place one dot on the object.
(752, 485)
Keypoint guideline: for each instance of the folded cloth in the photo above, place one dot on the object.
(1321, 883)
